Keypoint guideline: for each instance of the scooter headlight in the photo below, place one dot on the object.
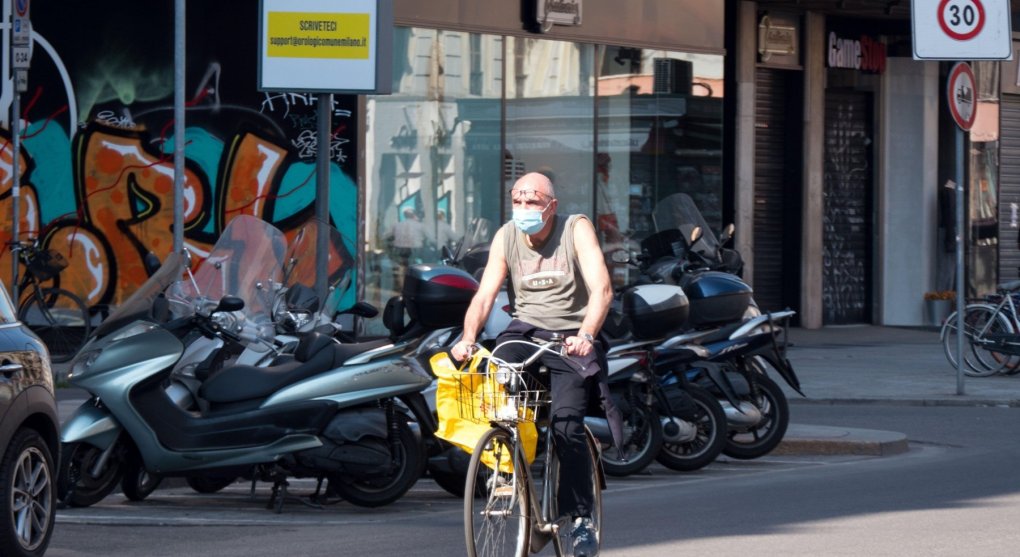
(82, 362)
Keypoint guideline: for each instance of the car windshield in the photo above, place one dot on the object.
(301, 264)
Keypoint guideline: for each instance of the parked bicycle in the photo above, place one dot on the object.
(991, 330)
(507, 510)
(56, 315)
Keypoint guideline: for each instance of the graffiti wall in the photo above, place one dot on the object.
(97, 140)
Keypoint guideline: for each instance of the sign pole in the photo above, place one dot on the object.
(960, 278)
(179, 53)
(15, 186)
(325, 133)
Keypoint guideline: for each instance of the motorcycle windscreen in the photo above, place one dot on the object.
(679, 212)
(246, 260)
(301, 264)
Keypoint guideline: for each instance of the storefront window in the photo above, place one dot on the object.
(616, 129)
(550, 116)
(659, 133)
(984, 184)
(432, 153)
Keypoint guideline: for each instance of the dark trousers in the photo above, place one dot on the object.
(570, 394)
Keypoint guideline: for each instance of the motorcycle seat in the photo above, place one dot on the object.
(241, 382)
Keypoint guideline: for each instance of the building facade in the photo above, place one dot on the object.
(844, 153)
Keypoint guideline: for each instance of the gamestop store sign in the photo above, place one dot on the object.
(324, 45)
(864, 54)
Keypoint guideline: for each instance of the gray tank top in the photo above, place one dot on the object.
(549, 290)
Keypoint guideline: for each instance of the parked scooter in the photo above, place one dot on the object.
(330, 413)
(741, 344)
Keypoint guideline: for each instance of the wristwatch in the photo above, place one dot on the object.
(588, 337)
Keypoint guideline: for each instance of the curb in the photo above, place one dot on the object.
(809, 440)
(956, 402)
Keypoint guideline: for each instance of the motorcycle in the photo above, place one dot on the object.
(741, 344)
(330, 412)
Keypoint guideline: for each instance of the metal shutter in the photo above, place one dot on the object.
(1009, 188)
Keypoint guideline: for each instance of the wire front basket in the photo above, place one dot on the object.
(501, 395)
(46, 264)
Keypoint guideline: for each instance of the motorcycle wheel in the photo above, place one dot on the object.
(209, 484)
(746, 443)
(76, 460)
(378, 492)
(707, 444)
(136, 482)
(453, 480)
(642, 432)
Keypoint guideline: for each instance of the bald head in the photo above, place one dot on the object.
(538, 182)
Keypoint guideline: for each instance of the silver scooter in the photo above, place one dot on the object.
(329, 413)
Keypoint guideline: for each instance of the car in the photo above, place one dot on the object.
(29, 438)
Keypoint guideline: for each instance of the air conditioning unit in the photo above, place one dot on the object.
(673, 76)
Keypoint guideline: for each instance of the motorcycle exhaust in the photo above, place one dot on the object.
(744, 415)
(675, 430)
(600, 429)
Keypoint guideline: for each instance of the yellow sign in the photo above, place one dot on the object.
(318, 35)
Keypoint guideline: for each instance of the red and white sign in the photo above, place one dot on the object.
(961, 29)
(962, 94)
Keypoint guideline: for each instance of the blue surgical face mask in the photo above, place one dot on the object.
(529, 221)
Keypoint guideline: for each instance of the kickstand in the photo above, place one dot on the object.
(278, 495)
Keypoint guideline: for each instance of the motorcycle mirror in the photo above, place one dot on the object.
(151, 263)
(620, 256)
(695, 235)
(447, 254)
(727, 234)
(362, 309)
(230, 303)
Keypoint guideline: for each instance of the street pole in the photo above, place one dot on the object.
(960, 279)
(15, 185)
(179, 35)
(325, 133)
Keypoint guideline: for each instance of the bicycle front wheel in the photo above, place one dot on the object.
(497, 513)
(59, 318)
(981, 322)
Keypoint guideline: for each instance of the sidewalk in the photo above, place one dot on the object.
(864, 364)
(871, 364)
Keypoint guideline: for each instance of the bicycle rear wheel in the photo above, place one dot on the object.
(59, 318)
(979, 322)
(497, 513)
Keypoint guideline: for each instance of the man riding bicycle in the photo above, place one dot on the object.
(559, 284)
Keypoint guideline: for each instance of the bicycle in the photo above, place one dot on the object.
(506, 512)
(56, 315)
(991, 334)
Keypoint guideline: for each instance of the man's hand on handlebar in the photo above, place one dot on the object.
(463, 350)
(578, 346)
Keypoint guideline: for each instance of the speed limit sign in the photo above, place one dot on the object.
(961, 29)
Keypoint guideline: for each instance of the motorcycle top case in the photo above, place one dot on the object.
(655, 309)
(437, 295)
(716, 298)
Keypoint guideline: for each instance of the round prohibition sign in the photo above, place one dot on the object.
(961, 19)
(960, 88)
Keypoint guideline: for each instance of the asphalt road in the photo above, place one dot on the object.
(955, 492)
